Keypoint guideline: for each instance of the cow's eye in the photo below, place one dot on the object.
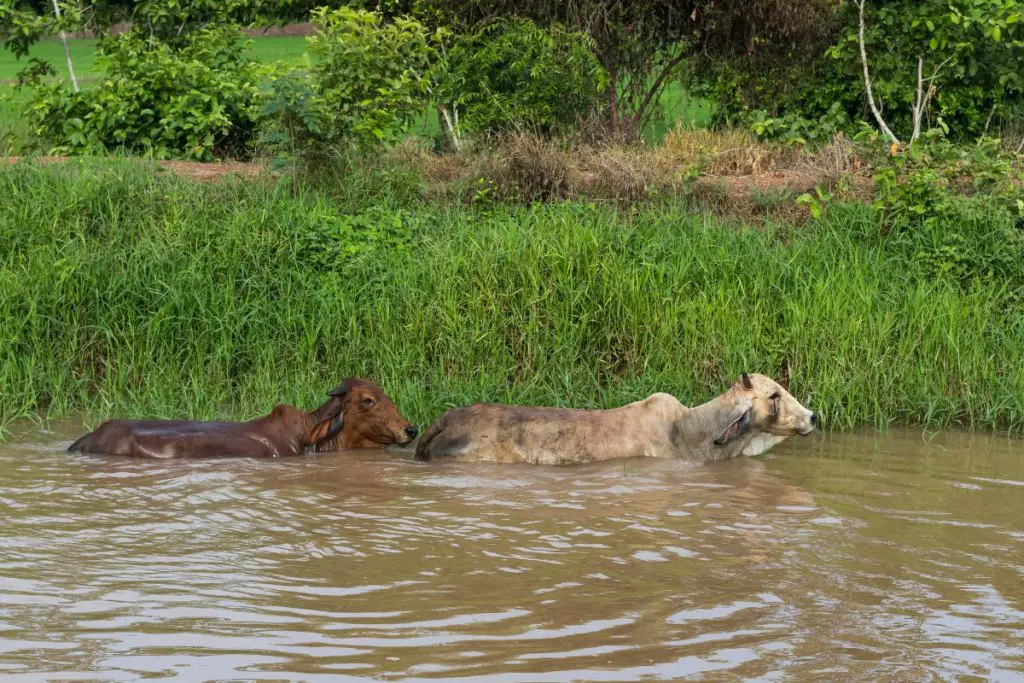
(368, 402)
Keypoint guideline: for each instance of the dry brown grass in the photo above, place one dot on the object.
(831, 162)
(721, 153)
(620, 174)
(529, 168)
(1012, 139)
(727, 172)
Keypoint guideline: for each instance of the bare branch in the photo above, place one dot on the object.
(919, 102)
(988, 121)
(867, 75)
(67, 50)
(452, 126)
(641, 111)
(925, 98)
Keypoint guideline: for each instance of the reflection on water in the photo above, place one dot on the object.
(853, 557)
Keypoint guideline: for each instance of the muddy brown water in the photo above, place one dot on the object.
(895, 557)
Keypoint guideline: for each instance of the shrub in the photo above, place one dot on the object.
(513, 74)
(366, 81)
(326, 240)
(966, 238)
(370, 76)
(195, 102)
(642, 45)
(970, 53)
(796, 129)
(290, 114)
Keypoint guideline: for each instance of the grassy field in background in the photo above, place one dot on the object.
(83, 52)
(126, 291)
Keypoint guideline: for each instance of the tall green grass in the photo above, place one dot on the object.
(127, 292)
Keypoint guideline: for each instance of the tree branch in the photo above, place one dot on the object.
(656, 87)
(67, 50)
(452, 125)
(867, 75)
(924, 98)
(919, 102)
(988, 121)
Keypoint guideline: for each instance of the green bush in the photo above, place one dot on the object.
(290, 114)
(513, 74)
(970, 52)
(796, 129)
(366, 81)
(744, 91)
(370, 76)
(196, 102)
(972, 48)
(326, 240)
(958, 212)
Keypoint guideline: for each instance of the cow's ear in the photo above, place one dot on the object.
(343, 391)
(736, 428)
(326, 429)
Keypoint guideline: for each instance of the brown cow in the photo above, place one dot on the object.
(748, 419)
(371, 419)
(286, 431)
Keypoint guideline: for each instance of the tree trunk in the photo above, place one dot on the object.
(613, 106)
(867, 76)
(67, 50)
(639, 119)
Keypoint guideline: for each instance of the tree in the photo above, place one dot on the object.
(641, 44)
(962, 56)
(926, 60)
(514, 74)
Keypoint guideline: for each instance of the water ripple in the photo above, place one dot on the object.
(824, 561)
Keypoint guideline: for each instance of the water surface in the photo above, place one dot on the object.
(840, 557)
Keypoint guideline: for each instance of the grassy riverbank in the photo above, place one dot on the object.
(124, 291)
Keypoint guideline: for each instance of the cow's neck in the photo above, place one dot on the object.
(703, 424)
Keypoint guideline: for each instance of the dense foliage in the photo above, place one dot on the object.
(959, 213)
(969, 52)
(514, 74)
(196, 99)
(370, 75)
(368, 78)
(643, 46)
(792, 69)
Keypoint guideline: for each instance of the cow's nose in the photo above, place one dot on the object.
(411, 431)
(814, 419)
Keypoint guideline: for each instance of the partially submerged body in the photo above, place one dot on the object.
(748, 419)
(357, 414)
(285, 432)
